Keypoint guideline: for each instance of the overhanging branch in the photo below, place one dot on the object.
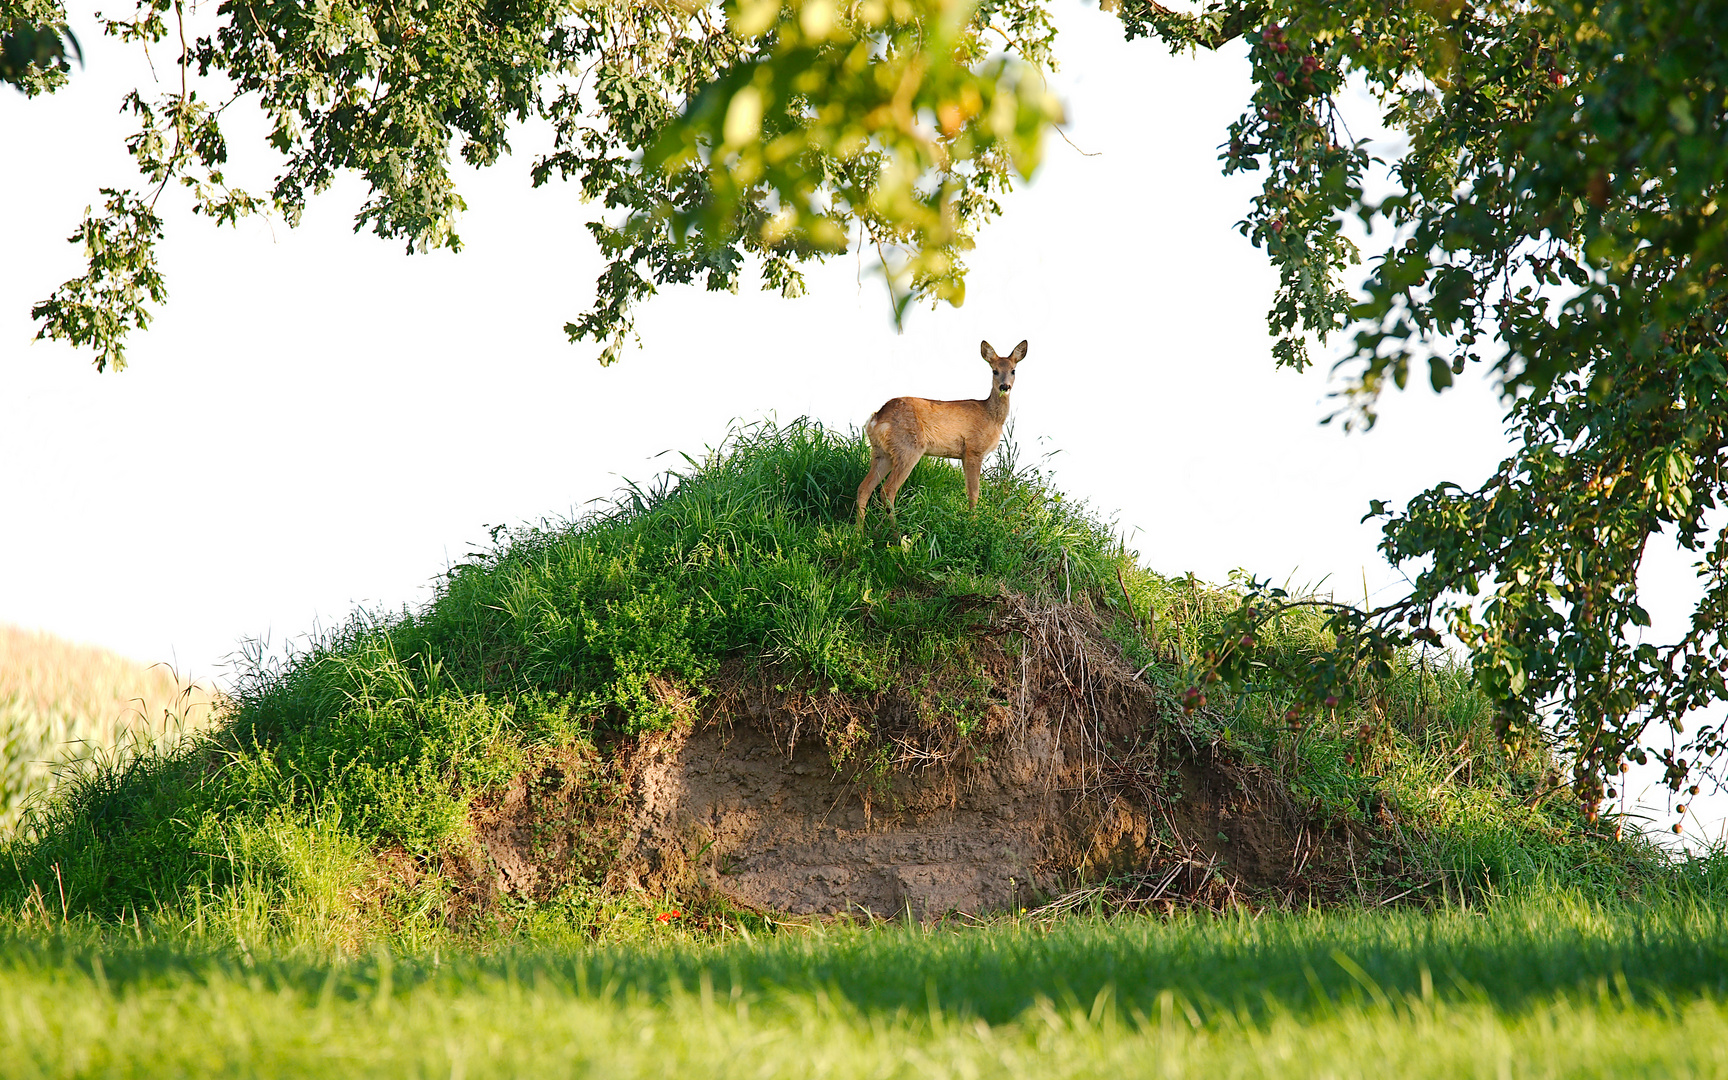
(1212, 29)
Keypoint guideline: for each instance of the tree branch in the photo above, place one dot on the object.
(1213, 28)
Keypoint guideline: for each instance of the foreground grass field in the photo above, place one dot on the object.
(1545, 987)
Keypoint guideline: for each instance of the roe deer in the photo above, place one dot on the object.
(909, 428)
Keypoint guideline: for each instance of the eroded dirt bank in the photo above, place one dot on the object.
(1077, 772)
(727, 809)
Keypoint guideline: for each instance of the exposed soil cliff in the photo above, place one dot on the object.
(1076, 773)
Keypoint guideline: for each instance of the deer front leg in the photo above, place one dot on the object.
(973, 464)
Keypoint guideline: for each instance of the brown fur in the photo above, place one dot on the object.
(909, 428)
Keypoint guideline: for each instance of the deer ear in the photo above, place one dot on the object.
(987, 352)
(1019, 353)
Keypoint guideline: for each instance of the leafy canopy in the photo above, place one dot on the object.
(712, 135)
(1554, 220)
(34, 46)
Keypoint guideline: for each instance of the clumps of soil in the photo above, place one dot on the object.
(556, 824)
(1074, 779)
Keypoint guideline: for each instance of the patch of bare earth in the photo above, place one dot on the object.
(1077, 782)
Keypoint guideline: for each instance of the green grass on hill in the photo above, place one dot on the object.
(581, 634)
(1541, 987)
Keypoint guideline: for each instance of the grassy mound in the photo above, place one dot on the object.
(324, 797)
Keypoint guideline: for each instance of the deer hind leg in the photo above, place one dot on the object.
(903, 464)
(878, 469)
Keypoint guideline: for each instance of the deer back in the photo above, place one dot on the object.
(949, 429)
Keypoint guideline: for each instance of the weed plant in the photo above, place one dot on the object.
(583, 633)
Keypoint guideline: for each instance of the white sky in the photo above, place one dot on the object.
(316, 422)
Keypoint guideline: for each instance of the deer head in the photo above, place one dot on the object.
(1003, 366)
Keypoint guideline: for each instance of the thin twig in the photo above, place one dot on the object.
(1435, 790)
(1070, 142)
(1543, 794)
(1407, 892)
